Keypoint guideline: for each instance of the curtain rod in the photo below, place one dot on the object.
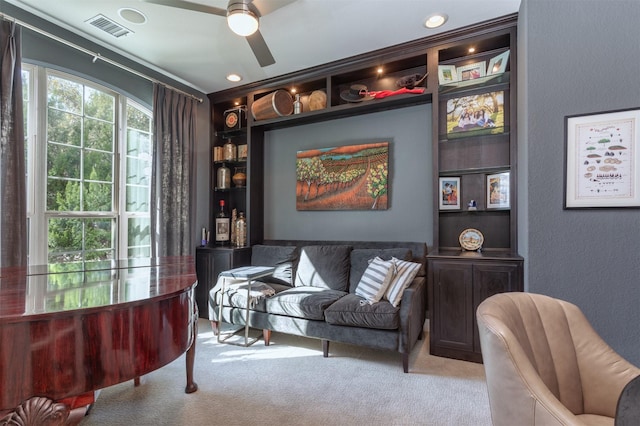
(95, 55)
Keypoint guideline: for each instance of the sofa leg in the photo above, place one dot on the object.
(325, 348)
(267, 336)
(214, 327)
(405, 362)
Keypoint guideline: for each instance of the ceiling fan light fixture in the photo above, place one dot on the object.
(241, 19)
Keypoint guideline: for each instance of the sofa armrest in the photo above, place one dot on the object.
(412, 314)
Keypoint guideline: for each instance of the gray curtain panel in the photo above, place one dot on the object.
(13, 197)
(172, 173)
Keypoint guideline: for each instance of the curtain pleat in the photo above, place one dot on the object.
(172, 173)
(13, 198)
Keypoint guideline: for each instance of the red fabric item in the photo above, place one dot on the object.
(384, 93)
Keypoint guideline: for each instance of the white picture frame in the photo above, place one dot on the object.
(602, 156)
(447, 74)
(498, 190)
(472, 71)
(498, 64)
(449, 193)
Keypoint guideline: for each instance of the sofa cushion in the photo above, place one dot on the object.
(350, 311)
(281, 257)
(303, 302)
(360, 261)
(376, 280)
(405, 273)
(324, 266)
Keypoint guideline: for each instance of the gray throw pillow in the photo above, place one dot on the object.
(324, 266)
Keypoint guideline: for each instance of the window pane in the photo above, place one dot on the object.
(139, 231)
(98, 135)
(63, 195)
(137, 199)
(98, 166)
(97, 197)
(99, 104)
(137, 252)
(138, 144)
(138, 119)
(138, 171)
(99, 235)
(64, 128)
(64, 94)
(81, 240)
(65, 240)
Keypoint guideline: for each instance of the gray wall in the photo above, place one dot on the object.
(580, 56)
(409, 216)
(41, 50)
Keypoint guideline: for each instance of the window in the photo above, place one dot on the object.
(88, 171)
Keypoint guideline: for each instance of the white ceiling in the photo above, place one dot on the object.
(199, 50)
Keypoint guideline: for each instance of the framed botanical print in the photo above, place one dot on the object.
(602, 153)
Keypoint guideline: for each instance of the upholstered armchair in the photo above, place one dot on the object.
(546, 365)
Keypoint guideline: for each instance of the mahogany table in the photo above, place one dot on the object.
(65, 334)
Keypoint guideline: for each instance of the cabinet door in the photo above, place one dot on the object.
(490, 279)
(453, 322)
(206, 279)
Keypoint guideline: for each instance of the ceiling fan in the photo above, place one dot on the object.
(242, 17)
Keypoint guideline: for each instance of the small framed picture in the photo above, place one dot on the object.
(498, 64)
(449, 193)
(498, 191)
(447, 74)
(472, 71)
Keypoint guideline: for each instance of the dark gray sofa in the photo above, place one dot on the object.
(334, 313)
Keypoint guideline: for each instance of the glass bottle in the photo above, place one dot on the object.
(229, 152)
(297, 105)
(222, 226)
(241, 231)
(224, 177)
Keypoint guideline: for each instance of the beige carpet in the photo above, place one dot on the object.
(290, 383)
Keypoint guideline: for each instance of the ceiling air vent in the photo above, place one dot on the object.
(109, 26)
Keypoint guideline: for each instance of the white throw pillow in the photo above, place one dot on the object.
(405, 273)
(375, 280)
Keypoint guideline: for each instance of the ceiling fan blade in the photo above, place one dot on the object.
(260, 49)
(179, 4)
(264, 7)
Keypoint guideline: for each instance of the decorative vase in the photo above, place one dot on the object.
(239, 177)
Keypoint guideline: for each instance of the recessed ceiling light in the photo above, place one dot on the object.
(132, 15)
(234, 77)
(436, 20)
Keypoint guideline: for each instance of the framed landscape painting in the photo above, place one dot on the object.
(352, 177)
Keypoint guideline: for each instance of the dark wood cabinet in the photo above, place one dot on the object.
(458, 283)
(210, 261)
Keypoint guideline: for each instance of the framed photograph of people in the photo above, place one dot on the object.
(472, 71)
(476, 115)
(498, 64)
(447, 74)
(602, 156)
(449, 193)
(498, 191)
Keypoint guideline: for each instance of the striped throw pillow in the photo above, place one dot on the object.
(405, 273)
(375, 280)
